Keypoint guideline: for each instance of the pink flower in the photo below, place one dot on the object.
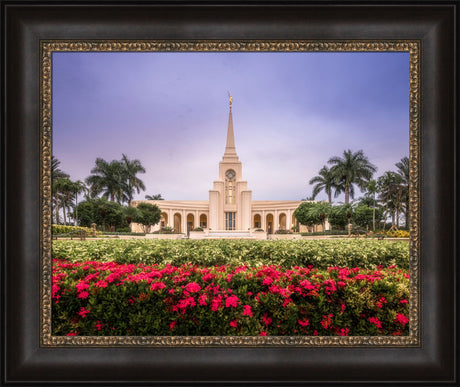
(326, 321)
(83, 312)
(403, 301)
(401, 319)
(343, 332)
(375, 321)
(267, 320)
(202, 299)
(267, 281)
(342, 308)
(81, 286)
(101, 284)
(263, 333)
(72, 334)
(247, 311)
(234, 323)
(304, 323)
(83, 295)
(232, 301)
(157, 286)
(172, 325)
(193, 287)
(216, 303)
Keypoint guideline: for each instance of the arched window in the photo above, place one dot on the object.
(230, 186)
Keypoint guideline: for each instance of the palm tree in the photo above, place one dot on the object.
(403, 171)
(78, 187)
(55, 171)
(108, 178)
(324, 181)
(63, 189)
(133, 183)
(154, 197)
(56, 174)
(353, 168)
(391, 193)
(371, 189)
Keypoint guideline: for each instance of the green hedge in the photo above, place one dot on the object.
(110, 299)
(58, 229)
(364, 253)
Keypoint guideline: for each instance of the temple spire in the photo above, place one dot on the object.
(230, 151)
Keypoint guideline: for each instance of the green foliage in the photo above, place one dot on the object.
(57, 229)
(311, 213)
(363, 216)
(364, 253)
(100, 211)
(148, 215)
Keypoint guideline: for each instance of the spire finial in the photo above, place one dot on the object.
(230, 99)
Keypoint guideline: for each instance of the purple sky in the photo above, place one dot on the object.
(291, 113)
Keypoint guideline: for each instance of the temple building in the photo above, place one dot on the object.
(230, 210)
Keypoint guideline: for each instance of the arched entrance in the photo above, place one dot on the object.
(177, 223)
(282, 222)
(203, 221)
(257, 221)
(190, 222)
(270, 223)
(164, 220)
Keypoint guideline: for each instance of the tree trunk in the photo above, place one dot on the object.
(112, 197)
(63, 210)
(330, 198)
(347, 194)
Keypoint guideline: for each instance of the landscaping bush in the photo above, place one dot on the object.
(283, 232)
(363, 253)
(93, 298)
(57, 229)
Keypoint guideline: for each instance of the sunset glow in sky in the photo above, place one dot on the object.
(291, 113)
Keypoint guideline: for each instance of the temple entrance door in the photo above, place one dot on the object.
(270, 224)
(177, 223)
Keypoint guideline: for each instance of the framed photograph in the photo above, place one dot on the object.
(139, 252)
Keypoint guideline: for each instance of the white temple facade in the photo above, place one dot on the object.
(230, 209)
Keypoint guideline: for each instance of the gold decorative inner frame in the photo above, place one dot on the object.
(47, 47)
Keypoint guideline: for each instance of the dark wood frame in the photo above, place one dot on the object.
(25, 24)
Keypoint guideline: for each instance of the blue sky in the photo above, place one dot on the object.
(291, 113)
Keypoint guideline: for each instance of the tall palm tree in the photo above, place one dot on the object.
(403, 171)
(56, 174)
(154, 197)
(64, 193)
(391, 194)
(133, 183)
(324, 181)
(108, 178)
(55, 171)
(371, 189)
(78, 187)
(351, 169)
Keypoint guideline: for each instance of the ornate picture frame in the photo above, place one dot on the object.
(28, 89)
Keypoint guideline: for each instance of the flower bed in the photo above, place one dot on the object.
(96, 298)
(321, 254)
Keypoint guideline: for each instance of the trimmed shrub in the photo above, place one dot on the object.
(362, 252)
(108, 299)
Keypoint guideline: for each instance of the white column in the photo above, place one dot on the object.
(263, 222)
(197, 219)
(288, 220)
(184, 222)
(276, 221)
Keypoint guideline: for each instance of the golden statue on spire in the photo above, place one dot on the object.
(230, 99)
